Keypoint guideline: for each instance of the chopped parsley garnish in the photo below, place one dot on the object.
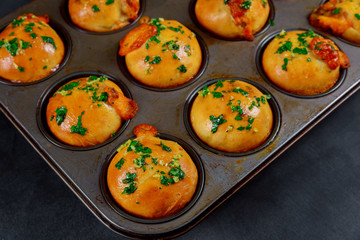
(140, 161)
(219, 84)
(154, 38)
(11, 46)
(11, 34)
(282, 34)
(205, 91)
(336, 11)
(217, 94)
(137, 147)
(159, 26)
(187, 50)
(182, 68)
(240, 128)
(164, 147)
(285, 47)
(216, 122)
(33, 35)
(147, 46)
(239, 90)
(165, 180)
(229, 103)
(154, 160)
(130, 178)
(69, 86)
(246, 5)
(284, 66)
(113, 134)
(119, 164)
(300, 51)
(108, 2)
(147, 58)
(16, 22)
(49, 40)
(309, 60)
(95, 8)
(226, 1)
(21, 69)
(175, 57)
(156, 60)
(317, 46)
(172, 45)
(271, 22)
(264, 3)
(28, 27)
(78, 128)
(357, 16)
(251, 120)
(103, 97)
(176, 29)
(177, 172)
(25, 45)
(248, 127)
(44, 67)
(60, 115)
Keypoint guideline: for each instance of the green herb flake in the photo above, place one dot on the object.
(16, 22)
(226, 1)
(164, 147)
(156, 60)
(264, 3)
(285, 47)
(11, 34)
(119, 164)
(205, 91)
(182, 68)
(21, 69)
(108, 2)
(336, 11)
(284, 66)
(175, 57)
(308, 59)
(217, 94)
(49, 40)
(219, 84)
(154, 160)
(33, 35)
(60, 115)
(216, 122)
(177, 172)
(246, 5)
(239, 90)
(300, 51)
(251, 120)
(95, 8)
(357, 16)
(271, 22)
(44, 67)
(78, 128)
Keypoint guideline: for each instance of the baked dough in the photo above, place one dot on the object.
(233, 18)
(103, 15)
(303, 63)
(88, 111)
(231, 116)
(162, 177)
(161, 53)
(29, 49)
(339, 17)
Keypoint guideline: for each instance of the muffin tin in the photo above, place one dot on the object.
(221, 174)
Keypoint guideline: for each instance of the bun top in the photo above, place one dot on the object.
(103, 15)
(29, 49)
(303, 62)
(341, 18)
(231, 116)
(233, 18)
(161, 53)
(150, 177)
(88, 111)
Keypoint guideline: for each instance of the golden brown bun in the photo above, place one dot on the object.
(100, 116)
(256, 123)
(339, 18)
(168, 72)
(103, 15)
(27, 53)
(152, 199)
(305, 74)
(217, 17)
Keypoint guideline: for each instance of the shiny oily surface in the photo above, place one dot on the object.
(103, 15)
(158, 193)
(170, 61)
(30, 49)
(217, 17)
(87, 111)
(297, 73)
(231, 116)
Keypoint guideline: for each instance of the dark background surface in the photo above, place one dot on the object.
(310, 192)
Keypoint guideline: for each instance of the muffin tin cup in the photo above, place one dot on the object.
(258, 61)
(199, 188)
(339, 37)
(44, 99)
(273, 104)
(65, 37)
(205, 59)
(259, 33)
(64, 10)
(84, 169)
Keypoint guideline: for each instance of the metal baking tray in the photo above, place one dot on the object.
(221, 174)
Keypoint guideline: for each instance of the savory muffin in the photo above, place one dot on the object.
(103, 15)
(233, 18)
(303, 63)
(88, 111)
(231, 116)
(161, 53)
(150, 177)
(340, 17)
(29, 49)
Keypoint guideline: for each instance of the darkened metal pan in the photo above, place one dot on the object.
(223, 175)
